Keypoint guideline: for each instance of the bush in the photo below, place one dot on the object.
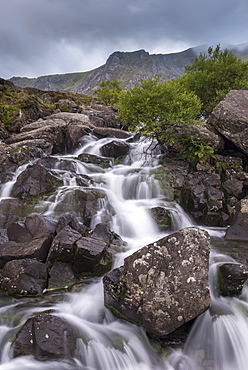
(109, 92)
(152, 108)
(213, 75)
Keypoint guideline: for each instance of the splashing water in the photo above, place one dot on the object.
(219, 338)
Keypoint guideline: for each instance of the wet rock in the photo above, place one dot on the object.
(83, 203)
(46, 337)
(102, 231)
(239, 227)
(41, 226)
(94, 159)
(102, 132)
(93, 256)
(12, 210)
(61, 276)
(34, 227)
(35, 249)
(24, 277)
(33, 181)
(3, 236)
(63, 246)
(70, 219)
(18, 232)
(162, 217)
(163, 285)
(201, 195)
(114, 149)
(231, 279)
(74, 135)
(229, 118)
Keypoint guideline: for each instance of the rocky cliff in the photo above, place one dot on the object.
(126, 67)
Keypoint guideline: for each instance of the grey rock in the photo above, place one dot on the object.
(231, 279)
(239, 226)
(163, 285)
(46, 337)
(24, 277)
(63, 246)
(33, 181)
(115, 149)
(230, 118)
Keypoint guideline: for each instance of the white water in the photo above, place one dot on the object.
(219, 339)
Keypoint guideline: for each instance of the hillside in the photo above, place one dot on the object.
(19, 106)
(126, 67)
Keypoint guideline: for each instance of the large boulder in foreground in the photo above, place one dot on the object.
(163, 285)
(230, 118)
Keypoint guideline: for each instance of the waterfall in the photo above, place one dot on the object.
(218, 340)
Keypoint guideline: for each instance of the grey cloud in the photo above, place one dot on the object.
(42, 37)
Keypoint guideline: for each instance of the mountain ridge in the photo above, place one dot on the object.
(126, 67)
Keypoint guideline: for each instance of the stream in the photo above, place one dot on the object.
(219, 337)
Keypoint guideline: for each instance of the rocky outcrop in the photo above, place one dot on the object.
(126, 67)
(46, 337)
(44, 253)
(163, 285)
(229, 118)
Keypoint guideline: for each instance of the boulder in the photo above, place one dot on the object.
(231, 279)
(35, 180)
(74, 135)
(35, 249)
(198, 131)
(102, 231)
(114, 149)
(46, 337)
(12, 210)
(34, 227)
(63, 246)
(163, 285)
(239, 226)
(61, 276)
(94, 159)
(24, 277)
(84, 203)
(70, 219)
(52, 133)
(41, 226)
(162, 217)
(18, 232)
(92, 257)
(230, 118)
(102, 132)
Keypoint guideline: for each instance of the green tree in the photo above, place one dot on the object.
(152, 108)
(109, 92)
(213, 75)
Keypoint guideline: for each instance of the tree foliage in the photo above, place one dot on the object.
(153, 107)
(213, 75)
(109, 92)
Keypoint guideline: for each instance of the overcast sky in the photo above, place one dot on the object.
(40, 37)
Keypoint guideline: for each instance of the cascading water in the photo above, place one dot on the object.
(218, 340)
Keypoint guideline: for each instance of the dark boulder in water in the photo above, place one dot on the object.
(46, 337)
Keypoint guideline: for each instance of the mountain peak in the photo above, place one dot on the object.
(119, 56)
